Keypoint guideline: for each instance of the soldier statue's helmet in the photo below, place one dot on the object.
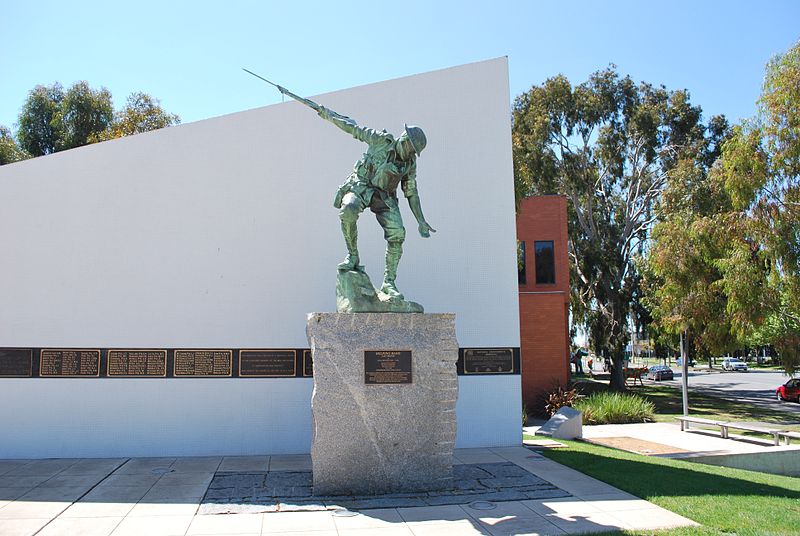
(417, 137)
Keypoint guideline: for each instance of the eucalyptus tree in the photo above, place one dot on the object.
(609, 145)
(760, 169)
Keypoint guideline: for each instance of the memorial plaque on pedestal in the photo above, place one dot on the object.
(387, 366)
(203, 363)
(69, 363)
(16, 363)
(308, 364)
(267, 363)
(489, 361)
(137, 363)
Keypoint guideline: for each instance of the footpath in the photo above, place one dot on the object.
(500, 491)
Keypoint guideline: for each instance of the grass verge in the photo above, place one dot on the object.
(723, 500)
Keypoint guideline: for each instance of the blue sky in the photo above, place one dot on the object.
(190, 54)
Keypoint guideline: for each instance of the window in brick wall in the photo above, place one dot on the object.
(545, 262)
(521, 277)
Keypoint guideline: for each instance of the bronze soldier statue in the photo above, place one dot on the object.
(389, 162)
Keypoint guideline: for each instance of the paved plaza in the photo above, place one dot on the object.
(163, 497)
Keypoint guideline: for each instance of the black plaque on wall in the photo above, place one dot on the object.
(68, 363)
(489, 361)
(267, 363)
(308, 364)
(137, 363)
(387, 366)
(203, 363)
(16, 363)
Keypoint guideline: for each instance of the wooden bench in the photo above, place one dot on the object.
(788, 436)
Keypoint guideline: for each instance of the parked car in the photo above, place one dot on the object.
(789, 390)
(659, 372)
(731, 363)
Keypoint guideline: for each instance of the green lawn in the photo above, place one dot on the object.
(723, 500)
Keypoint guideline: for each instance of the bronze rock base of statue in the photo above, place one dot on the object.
(355, 294)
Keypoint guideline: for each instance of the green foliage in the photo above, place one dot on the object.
(726, 264)
(9, 150)
(614, 408)
(759, 235)
(142, 113)
(559, 398)
(38, 132)
(609, 145)
(54, 120)
(82, 113)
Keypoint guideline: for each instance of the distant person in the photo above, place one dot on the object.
(576, 359)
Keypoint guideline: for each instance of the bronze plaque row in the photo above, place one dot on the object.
(387, 366)
(489, 361)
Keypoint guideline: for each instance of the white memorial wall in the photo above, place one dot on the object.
(222, 234)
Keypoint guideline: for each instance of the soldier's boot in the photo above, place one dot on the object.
(350, 232)
(394, 250)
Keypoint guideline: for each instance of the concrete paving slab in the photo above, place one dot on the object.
(14, 481)
(47, 468)
(384, 531)
(93, 466)
(138, 466)
(21, 509)
(168, 507)
(22, 527)
(464, 527)
(153, 526)
(9, 465)
(98, 509)
(226, 524)
(244, 464)
(45, 493)
(432, 515)
(205, 464)
(300, 522)
(83, 526)
(369, 519)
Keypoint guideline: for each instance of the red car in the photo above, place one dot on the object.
(789, 390)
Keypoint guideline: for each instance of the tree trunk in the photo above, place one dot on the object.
(617, 363)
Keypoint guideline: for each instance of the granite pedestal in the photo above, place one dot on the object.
(373, 438)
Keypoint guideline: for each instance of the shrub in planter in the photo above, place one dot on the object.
(615, 408)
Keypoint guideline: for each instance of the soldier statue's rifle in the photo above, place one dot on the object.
(311, 104)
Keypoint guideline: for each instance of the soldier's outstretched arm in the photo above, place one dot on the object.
(366, 135)
(341, 121)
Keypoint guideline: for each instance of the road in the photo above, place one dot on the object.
(754, 387)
